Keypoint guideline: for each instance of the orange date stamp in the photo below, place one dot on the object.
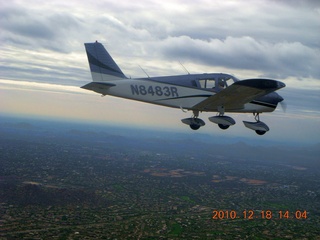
(259, 214)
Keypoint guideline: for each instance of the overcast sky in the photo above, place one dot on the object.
(43, 62)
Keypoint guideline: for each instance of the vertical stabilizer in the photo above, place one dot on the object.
(102, 66)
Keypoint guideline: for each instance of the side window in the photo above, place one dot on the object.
(202, 83)
(211, 83)
(207, 83)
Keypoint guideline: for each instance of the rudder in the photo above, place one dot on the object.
(102, 66)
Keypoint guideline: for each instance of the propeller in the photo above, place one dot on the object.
(283, 106)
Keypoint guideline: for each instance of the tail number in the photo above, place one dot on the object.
(154, 90)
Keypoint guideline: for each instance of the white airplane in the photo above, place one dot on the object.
(207, 92)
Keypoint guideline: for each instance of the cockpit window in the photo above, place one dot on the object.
(207, 83)
(211, 83)
(225, 82)
(221, 83)
(218, 83)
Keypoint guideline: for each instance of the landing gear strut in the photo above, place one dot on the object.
(259, 127)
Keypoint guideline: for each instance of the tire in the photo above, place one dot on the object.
(260, 132)
(224, 127)
(194, 126)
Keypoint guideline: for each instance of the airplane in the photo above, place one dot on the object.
(207, 92)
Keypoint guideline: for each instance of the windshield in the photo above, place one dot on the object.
(224, 82)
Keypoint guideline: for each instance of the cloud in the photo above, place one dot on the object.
(279, 60)
(274, 38)
(41, 87)
(302, 102)
(32, 29)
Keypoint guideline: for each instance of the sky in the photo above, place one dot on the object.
(43, 61)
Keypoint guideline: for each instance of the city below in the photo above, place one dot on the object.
(76, 181)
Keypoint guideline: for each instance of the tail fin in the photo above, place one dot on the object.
(102, 66)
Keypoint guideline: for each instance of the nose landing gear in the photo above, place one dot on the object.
(259, 127)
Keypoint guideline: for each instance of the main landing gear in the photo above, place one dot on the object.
(259, 127)
(194, 122)
(224, 122)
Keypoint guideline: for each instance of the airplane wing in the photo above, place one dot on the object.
(98, 87)
(238, 94)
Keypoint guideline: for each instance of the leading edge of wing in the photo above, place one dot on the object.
(238, 94)
(98, 87)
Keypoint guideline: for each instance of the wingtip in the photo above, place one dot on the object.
(281, 84)
(261, 83)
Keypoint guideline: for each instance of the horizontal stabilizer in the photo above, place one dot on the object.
(98, 87)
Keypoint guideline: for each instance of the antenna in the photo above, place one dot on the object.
(184, 68)
(144, 71)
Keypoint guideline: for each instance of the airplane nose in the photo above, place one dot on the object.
(283, 104)
(278, 98)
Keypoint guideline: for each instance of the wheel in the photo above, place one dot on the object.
(194, 126)
(260, 132)
(224, 127)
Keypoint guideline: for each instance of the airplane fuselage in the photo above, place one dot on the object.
(161, 91)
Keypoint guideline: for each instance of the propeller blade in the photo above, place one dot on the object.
(283, 105)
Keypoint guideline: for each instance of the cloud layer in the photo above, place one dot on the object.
(273, 38)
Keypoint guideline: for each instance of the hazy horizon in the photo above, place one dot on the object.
(43, 61)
